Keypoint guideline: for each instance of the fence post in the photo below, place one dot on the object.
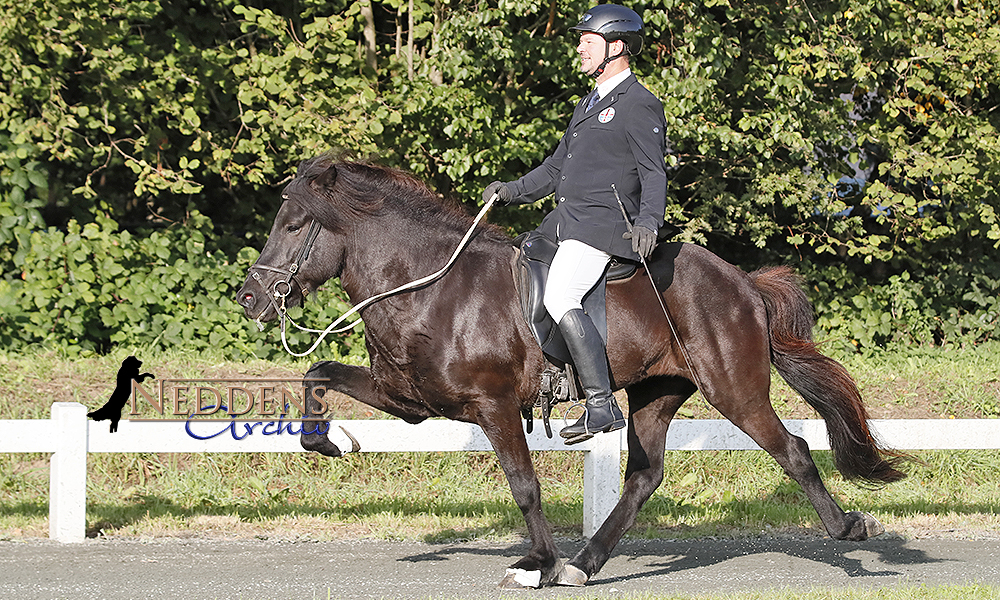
(601, 480)
(68, 473)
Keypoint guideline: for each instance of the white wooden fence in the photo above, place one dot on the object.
(69, 436)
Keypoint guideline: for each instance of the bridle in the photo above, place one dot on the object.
(277, 296)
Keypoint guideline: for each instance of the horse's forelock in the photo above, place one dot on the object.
(355, 186)
(314, 166)
(370, 184)
(311, 190)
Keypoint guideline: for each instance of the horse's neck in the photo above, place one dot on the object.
(386, 254)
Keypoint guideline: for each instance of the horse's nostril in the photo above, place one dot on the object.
(247, 300)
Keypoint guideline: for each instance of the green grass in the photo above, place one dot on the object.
(451, 496)
(965, 592)
(959, 381)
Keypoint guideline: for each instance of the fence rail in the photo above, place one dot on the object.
(69, 436)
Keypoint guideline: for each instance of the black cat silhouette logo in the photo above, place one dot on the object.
(112, 409)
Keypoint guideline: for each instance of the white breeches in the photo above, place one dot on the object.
(575, 269)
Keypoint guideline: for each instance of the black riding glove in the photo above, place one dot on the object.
(643, 240)
(501, 189)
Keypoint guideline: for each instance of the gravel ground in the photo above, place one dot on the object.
(258, 569)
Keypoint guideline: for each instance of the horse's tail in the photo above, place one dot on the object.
(823, 382)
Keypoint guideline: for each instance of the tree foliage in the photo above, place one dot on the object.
(855, 140)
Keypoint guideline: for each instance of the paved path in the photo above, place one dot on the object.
(266, 569)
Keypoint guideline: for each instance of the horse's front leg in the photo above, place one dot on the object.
(541, 564)
(356, 382)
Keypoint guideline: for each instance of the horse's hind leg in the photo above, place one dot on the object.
(356, 382)
(505, 434)
(752, 412)
(652, 405)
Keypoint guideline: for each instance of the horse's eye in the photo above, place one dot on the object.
(293, 228)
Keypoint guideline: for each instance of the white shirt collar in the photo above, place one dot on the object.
(609, 86)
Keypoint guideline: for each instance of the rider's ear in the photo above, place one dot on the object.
(326, 179)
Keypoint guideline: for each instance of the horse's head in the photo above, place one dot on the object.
(300, 253)
(331, 209)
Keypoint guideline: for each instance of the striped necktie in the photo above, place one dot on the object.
(593, 100)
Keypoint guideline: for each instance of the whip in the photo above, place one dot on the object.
(659, 297)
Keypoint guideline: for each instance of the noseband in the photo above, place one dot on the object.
(277, 295)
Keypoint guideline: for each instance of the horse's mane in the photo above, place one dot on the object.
(366, 189)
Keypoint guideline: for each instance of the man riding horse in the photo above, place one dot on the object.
(609, 161)
(459, 350)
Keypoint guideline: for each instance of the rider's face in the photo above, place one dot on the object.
(591, 51)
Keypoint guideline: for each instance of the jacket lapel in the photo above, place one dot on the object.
(582, 114)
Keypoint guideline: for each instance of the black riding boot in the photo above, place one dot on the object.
(586, 347)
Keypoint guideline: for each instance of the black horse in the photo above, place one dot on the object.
(460, 348)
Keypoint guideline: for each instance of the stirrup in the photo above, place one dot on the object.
(571, 407)
(576, 437)
(583, 437)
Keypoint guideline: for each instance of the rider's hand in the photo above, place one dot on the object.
(501, 189)
(643, 240)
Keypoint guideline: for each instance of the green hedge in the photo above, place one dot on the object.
(92, 288)
(142, 144)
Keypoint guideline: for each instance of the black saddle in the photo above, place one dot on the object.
(531, 270)
(531, 273)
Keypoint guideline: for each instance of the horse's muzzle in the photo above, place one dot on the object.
(255, 303)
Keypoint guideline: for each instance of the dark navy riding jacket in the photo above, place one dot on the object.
(621, 140)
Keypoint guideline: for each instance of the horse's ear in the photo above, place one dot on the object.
(326, 179)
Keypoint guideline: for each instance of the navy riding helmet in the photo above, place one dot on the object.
(613, 22)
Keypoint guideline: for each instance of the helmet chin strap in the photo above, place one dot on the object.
(607, 59)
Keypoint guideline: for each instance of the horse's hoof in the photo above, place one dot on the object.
(872, 526)
(322, 444)
(571, 576)
(864, 526)
(355, 446)
(519, 579)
